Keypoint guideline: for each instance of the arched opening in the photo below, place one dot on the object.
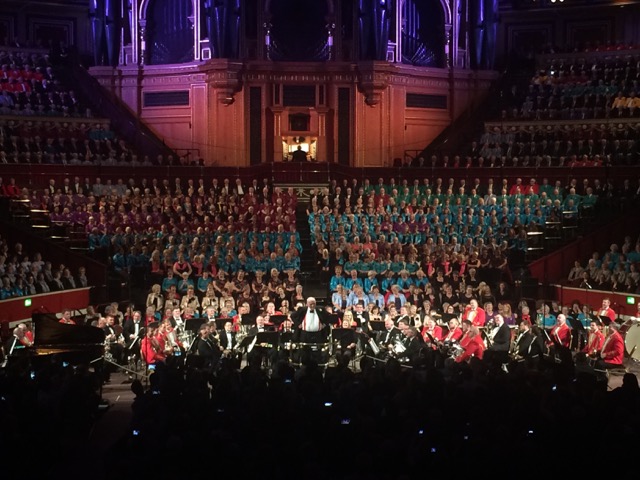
(423, 35)
(169, 35)
(298, 30)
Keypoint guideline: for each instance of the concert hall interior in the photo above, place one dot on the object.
(336, 238)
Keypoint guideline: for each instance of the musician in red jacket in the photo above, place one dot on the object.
(466, 333)
(474, 313)
(612, 354)
(606, 310)
(151, 348)
(455, 332)
(431, 332)
(474, 348)
(595, 339)
(560, 333)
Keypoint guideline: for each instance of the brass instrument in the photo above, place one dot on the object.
(186, 338)
(240, 336)
(397, 347)
(455, 349)
(513, 351)
(490, 332)
(374, 346)
(108, 356)
(324, 347)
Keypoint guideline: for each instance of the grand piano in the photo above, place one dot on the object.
(74, 344)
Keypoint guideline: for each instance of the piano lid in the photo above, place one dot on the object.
(49, 332)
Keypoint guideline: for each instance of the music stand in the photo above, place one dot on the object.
(221, 321)
(334, 319)
(606, 321)
(577, 326)
(338, 333)
(377, 325)
(431, 339)
(246, 341)
(270, 338)
(193, 324)
(249, 319)
(277, 320)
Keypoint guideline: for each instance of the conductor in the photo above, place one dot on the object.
(310, 322)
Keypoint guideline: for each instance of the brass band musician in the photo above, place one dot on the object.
(473, 348)
(413, 345)
(208, 349)
(612, 353)
(346, 345)
(474, 313)
(606, 310)
(285, 342)
(560, 335)
(228, 344)
(361, 317)
(257, 353)
(151, 348)
(528, 345)
(595, 339)
(499, 340)
(431, 332)
(388, 337)
(454, 333)
(238, 319)
(171, 342)
(133, 332)
(466, 336)
(114, 338)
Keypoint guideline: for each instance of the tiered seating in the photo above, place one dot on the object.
(579, 88)
(29, 86)
(421, 232)
(43, 121)
(25, 273)
(617, 269)
(556, 144)
(62, 141)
